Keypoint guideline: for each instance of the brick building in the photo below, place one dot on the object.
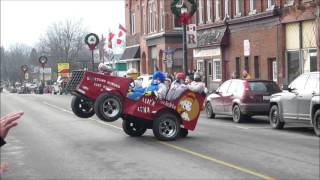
(272, 39)
(153, 31)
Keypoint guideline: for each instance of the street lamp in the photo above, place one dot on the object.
(184, 10)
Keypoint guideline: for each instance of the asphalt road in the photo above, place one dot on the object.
(52, 143)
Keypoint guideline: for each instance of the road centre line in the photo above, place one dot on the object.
(262, 176)
(183, 149)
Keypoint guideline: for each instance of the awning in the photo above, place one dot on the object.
(131, 53)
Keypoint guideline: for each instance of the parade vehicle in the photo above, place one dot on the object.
(106, 96)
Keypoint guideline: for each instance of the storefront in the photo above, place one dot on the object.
(301, 48)
(208, 57)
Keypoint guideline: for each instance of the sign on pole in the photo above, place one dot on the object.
(191, 36)
(63, 69)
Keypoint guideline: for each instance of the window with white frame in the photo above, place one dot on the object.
(274, 71)
(200, 66)
(201, 11)
(253, 4)
(161, 19)
(154, 9)
(216, 70)
(226, 8)
(270, 4)
(133, 23)
(218, 10)
(150, 16)
(209, 10)
(238, 8)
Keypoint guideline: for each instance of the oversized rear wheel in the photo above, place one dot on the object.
(166, 127)
(82, 108)
(133, 128)
(108, 107)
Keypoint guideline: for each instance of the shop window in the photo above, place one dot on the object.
(256, 67)
(288, 2)
(237, 67)
(309, 30)
(216, 70)
(292, 36)
(210, 68)
(270, 5)
(293, 65)
(246, 64)
(200, 66)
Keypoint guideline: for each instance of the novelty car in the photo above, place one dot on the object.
(106, 96)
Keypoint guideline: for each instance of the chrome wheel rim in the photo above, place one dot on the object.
(236, 113)
(111, 107)
(167, 127)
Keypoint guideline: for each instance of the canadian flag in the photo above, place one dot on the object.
(122, 31)
(111, 35)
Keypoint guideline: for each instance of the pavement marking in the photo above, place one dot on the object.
(262, 176)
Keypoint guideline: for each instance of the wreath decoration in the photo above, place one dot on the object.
(184, 17)
(92, 40)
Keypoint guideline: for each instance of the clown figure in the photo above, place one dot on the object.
(177, 87)
(157, 86)
(197, 85)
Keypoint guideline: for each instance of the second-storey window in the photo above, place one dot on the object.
(226, 8)
(133, 23)
(201, 11)
(209, 10)
(161, 19)
(252, 5)
(270, 3)
(238, 8)
(218, 11)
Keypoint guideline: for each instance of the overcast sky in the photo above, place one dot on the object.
(24, 21)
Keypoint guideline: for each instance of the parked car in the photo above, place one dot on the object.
(299, 103)
(241, 98)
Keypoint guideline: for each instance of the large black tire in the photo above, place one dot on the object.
(183, 132)
(237, 115)
(81, 107)
(316, 123)
(209, 111)
(133, 128)
(166, 127)
(274, 118)
(108, 107)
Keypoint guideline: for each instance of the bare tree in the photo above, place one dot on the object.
(12, 60)
(63, 40)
